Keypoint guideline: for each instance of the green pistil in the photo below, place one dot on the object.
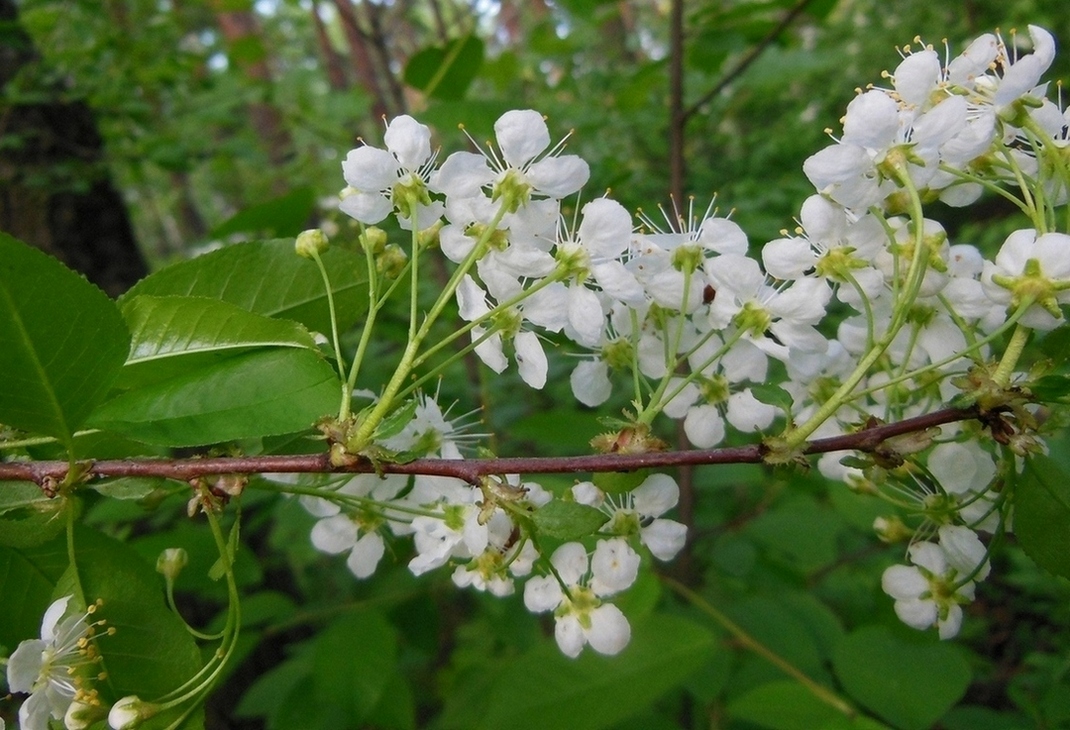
(1031, 285)
(498, 240)
(837, 263)
(619, 354)
(921, 315)
(714, 390)
(753, 318)
(453, 517)
(508, 321)
(625, 523)
(574, 260)
(408, 195)
(687, 258)
(932, 243)
(513, 190)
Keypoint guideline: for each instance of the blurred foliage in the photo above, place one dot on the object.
(789, 557)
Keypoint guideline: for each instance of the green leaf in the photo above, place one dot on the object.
(783, 705)
(36, 522)
(27, 578)
(445, 72)
(171, 335)
(1042, 513)
(63, 342)
(261, 393)
(773, 395)
(286, 215)
(147, 651)
(544, 689)
(618, 482)
(355, 659)
(801, 531)
(909, 683)
(130, 488)
(1051, 388)
(267, 277)
(396, 422)
(568, 520)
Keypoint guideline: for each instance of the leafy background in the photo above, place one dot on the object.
(226, 120)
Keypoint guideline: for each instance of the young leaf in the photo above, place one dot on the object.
(63, 342)
(568, 520)
(267, 277)
(261, 393)
(172, 335)
(1042, 513)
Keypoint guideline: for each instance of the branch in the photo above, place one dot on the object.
(747, 60)
(470, 470)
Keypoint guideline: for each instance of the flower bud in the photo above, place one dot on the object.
(130, 712)
(311, 243)
(391, 262)
(171, 562)
(81, 715)
(891, 530)
(373, 239)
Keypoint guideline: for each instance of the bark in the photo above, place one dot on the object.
(55, 190)
(332, 61)
(240, 29)
(361, 58)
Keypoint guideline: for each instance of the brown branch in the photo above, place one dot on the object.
(470, 470)
(751, 56)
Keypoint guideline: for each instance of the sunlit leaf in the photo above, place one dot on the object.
(172, 335)
(261, 393)
(267, 277)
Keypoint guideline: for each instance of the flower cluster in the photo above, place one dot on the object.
(868, 308)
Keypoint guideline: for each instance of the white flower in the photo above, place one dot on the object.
(357, 531)
(746, 299)
(1031, 268)
(523, 168)
(581, 617)
(50, 668)
(530, 357)
(965, 471)
(394, 178)
(835, 245)
(932, 591)
(456, 532)
(639, 512)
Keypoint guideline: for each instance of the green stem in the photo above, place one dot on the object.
(904, 300)
(369, 323)
(557, 275)
(822, 693)
(1002, 376)
(343, 409)
(366, 430)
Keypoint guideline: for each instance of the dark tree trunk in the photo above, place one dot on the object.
(55, 192)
